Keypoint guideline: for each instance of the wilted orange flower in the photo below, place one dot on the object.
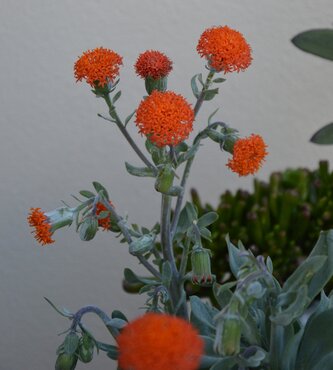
(153, 64)
(159, 342)
(39, 221)
(165, 117)
(225, 49)
(105, 223)
(98, 66)
(248, 155)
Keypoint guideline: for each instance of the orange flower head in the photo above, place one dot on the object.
(165, 117)
(248, 155)
(40, 222)
(98, 66)
(105, 222)
(225, 49)
(154, 64)
(159, 342)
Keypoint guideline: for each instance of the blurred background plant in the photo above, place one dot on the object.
(318, 42)
(280, 218)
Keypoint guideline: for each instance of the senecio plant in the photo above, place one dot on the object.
(259, 323)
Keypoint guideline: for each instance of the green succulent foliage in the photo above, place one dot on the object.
(280, 218)
(261, 324)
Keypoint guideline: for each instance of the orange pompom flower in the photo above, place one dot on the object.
(98, 67)
(248, 155)
(159, 342)
(225, 49)
(46, 223)
(40, 222)
(165, 117)
(104, 222)
(154, 64)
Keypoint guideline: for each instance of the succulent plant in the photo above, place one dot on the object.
(280, 218)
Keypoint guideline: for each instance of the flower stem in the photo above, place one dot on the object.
(189, 162)
(127, 136)
(125, 231)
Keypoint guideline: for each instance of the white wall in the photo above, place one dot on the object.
(53, 144)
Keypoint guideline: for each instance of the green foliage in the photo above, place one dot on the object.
(280, 218)
(260, 325)
(318, 42)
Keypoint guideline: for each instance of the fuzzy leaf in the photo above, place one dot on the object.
(317, 341)
(118, 315)
(209, 94)
(87, 194)
(139, 171)
(132, 278)
(207, 219)
(318, 42)
(116, 97)
(128, 118)
(236, 257)
(323, 136)
(194, 86)
(100, 188)
(202, 316)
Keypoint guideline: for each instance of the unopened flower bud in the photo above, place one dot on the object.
(142, 245)
(88, 228)
(201, 267)
(164, 179)
(231, 336)
(66, 362)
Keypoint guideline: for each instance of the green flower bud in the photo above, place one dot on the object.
(142, 245)
(66, 362)
(159, 84)
(231, 336)
(88, 228)
(201, 269)
(165, 179)
(86, 349)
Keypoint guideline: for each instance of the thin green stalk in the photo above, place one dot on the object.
(127, 236)
(183, 262)
(189, 162)
(127, 136)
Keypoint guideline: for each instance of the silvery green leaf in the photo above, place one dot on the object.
(119, 315)
(207, 219)
(142, 245)
(212, 115)
(219, 80)
(87, 194)
(223, 293)
(318, 42)
(226, 363)
(236, 257)
(139, 171)
(323, 136)
(294, 310)
(100, 188)
(88, 228)
(210, 94)
(194, 86)
(116, 97)
(255, 290)
(269, 264)
(304, 273)
(202, 316)
(317, 342)
(128, 118)
(132, 278)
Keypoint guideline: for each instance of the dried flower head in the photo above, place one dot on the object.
(248, 155)
(159, 342)
(225, 49)
(40, 222)
(98, 66)
(165, 117)
(104, 222)
(154, 64)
